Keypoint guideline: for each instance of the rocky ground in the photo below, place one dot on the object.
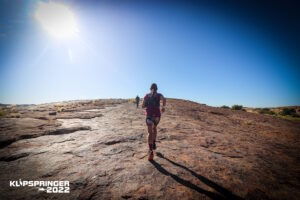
(100, 147)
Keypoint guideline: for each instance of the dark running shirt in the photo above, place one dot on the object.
(152, 103)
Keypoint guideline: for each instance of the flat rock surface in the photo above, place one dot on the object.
(100, 147)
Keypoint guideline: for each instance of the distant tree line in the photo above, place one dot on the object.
(287, 111)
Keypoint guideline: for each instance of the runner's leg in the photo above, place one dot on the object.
(150, 138)
(154, 131)
(154, 128)
(150, 133)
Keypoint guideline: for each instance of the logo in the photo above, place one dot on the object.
(45, 186)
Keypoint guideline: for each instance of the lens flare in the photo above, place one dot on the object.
(57, 19)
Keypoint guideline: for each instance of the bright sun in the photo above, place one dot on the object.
(57, 19)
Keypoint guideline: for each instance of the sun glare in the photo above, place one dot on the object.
(57, 19)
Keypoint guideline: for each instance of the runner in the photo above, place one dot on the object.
(152, 104)
(137, 101)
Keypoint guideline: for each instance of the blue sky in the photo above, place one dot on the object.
(202, 53)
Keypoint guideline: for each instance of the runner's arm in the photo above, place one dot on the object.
(163, 99)
(144, 102)
(164, 102)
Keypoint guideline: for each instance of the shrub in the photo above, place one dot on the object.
(131, 101)
(288, 111)
(60, 109)
(2, 112)
(266, 111)
(237, 107)
(225, 107)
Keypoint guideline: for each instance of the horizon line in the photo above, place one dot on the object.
(115, 98)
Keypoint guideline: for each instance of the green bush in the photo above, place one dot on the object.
(266, 111)
(2, 112)
(288, 111)
(237, 107)
(225, 107)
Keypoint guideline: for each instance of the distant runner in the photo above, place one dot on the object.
(152, 104)
(137, 101)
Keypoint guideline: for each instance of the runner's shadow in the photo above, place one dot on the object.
(185, 182)
(223, 193)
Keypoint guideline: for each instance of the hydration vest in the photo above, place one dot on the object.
(153, 100)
